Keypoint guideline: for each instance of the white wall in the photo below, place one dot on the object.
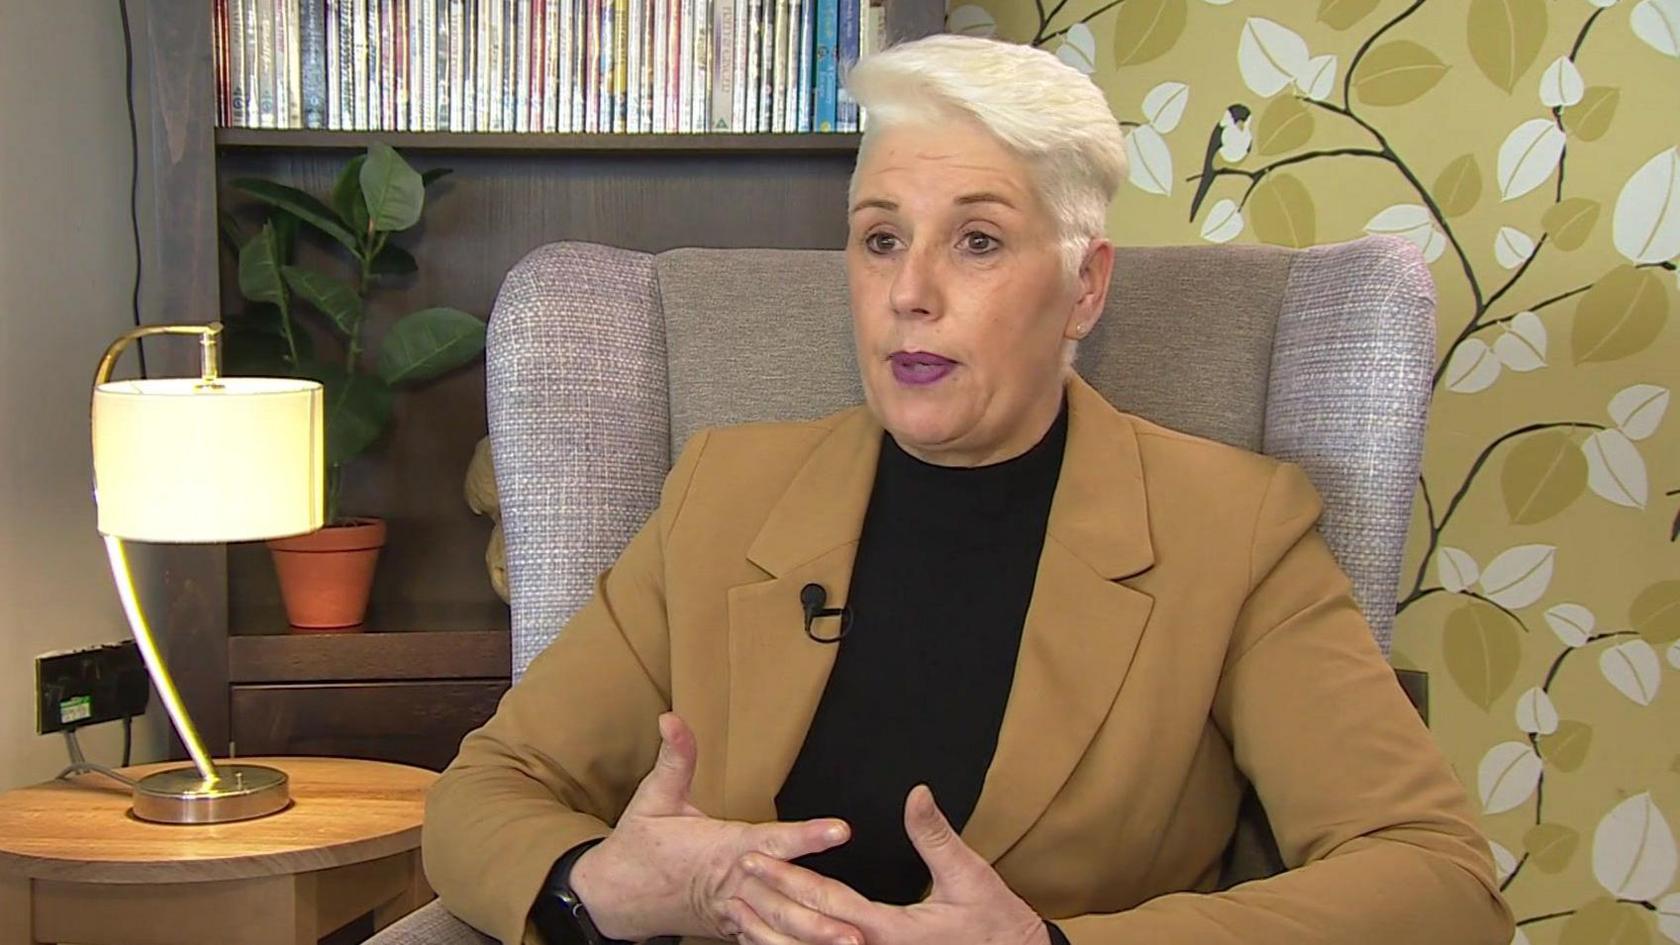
(66, 271)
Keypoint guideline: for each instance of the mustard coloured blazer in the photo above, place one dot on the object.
(1189, 631)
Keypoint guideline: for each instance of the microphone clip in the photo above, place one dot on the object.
(812, 597)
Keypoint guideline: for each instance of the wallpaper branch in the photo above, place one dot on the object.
(1543, 581)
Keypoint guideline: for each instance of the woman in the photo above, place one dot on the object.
(1066, 636)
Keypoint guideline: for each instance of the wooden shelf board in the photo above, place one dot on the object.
(375, 656)
(491, 142)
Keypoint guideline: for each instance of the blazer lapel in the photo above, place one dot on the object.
(776, 673)
(1082, 627)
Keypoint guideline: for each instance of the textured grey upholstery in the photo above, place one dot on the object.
(601, 361)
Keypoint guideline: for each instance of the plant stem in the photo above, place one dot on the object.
(335, 480)
(1436, 528)
(1042, 39)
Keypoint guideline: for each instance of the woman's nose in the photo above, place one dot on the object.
(916, 291)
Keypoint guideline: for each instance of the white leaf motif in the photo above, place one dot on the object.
(1535, 713)
(1528, 156)
(1521, 938)
(1633, 669)
(1456, 569)
(1572, 623)
(1657, 22)
(1152, 167)
(1079, 50)
(1473, 367)
(1638, 410)
(1504, 862)
(1223, 222)
(1520, 576)
(1507, 776)
(1603, 4)
(1217, 3)
(1668, 916)
(1413, 222)
(971, 20)
(1511, 246)
(1317, 79)
(1523, 346)
(1560, 84)
(1674, 654)
(1164, 105)
(1633, 850)
(1615, 470)
(1647, 218)
(1269, 56)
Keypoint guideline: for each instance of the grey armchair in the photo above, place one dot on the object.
(603, 361)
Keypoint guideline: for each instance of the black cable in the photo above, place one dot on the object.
(128, 737)
(133, 175)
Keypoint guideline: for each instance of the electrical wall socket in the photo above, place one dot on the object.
(84, 687)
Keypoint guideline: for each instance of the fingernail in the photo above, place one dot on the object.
(834, 834)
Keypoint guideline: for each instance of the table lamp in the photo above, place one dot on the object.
(200, 460)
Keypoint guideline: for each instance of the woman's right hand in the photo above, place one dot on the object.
(668, 869)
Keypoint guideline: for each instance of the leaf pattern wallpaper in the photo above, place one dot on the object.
(1531, 150)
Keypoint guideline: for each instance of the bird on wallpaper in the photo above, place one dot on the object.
(1230, 140)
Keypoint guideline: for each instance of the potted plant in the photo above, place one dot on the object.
(325, 577)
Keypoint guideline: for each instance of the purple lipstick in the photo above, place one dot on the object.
(920, 368)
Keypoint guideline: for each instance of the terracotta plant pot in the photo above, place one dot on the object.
(325, 576)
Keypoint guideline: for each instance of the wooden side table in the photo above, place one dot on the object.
(75, 866)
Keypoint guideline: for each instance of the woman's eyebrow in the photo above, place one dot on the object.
(985, 197)
(880, 202)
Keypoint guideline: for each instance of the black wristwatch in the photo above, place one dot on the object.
(560, 915)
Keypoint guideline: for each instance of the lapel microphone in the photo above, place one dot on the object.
(812, 597)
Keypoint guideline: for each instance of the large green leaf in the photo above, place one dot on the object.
(294, 201)
(358, 408)
(347, 196)
(333, 298)
(1283, 212)
(1541, 476)
(1604, 921)
(1570, 221)
(1146, 29)
(1459, 186)
(1551, 846)
(1505, 37)
(1655, 613)
(259, 269)
(1619, 316)
(1566, 748)
(1342, 14)
(393, 192)
(1284, 125)
(1397, 73)
(1482, 650)
(428, 343)
(393, 260)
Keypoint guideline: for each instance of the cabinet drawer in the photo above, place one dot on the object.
(416, 723)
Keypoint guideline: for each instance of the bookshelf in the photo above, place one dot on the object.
(431, 661)
(515, 143)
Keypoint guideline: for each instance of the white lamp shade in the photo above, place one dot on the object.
(175, 461)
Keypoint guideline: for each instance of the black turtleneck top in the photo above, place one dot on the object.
(943, 576)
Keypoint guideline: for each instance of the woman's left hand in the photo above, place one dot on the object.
(969, 901)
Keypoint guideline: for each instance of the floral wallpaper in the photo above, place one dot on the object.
(1531, 150)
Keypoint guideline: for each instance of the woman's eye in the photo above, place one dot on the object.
(977, 242)
(880, 242)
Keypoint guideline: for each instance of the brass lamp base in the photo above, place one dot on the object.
(182, 796)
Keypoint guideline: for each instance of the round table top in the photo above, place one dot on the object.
(343, 811)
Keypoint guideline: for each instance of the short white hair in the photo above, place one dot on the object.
(1045, 111)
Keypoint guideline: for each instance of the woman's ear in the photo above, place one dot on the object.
(1092, 281)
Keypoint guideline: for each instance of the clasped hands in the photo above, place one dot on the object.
(668, 869)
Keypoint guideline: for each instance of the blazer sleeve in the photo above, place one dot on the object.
(1375, 828)
(569, 743)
